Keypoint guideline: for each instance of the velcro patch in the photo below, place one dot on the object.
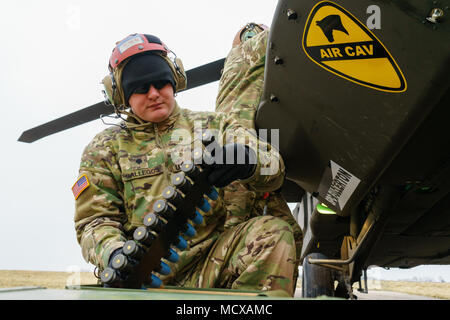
(80, 185)
(142, 173)
(128, 42)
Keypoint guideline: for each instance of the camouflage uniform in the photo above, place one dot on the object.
(240, 90)
(127, 170)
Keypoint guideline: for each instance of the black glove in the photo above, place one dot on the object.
(231, 162)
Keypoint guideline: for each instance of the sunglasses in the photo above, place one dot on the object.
(158, 85)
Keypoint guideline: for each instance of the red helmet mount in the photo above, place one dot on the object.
(135, 44)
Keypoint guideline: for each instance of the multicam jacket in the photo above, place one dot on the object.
(127, 169)
(240, 90)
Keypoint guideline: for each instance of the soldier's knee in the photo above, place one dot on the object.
(275, 222)
(276, 227)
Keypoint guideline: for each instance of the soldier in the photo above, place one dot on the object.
(240, 90)
(124, 169)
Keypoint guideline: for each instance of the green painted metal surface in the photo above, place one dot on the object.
(100, 293)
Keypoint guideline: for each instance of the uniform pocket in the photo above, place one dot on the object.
(142, 188)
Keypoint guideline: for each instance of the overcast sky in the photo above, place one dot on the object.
(54, 55)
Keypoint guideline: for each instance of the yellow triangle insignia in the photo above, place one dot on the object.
(338, 42)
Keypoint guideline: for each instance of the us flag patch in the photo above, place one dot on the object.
(80, 185)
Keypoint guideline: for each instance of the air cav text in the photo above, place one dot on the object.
(348, 51)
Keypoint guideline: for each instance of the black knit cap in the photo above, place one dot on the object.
(145, 68)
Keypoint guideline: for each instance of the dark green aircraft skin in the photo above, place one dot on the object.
(395, 142)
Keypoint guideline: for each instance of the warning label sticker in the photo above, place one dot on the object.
(337, 185)
(338, 42)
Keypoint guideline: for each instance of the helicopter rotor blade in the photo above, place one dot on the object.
(195, 77)
(204, 74)
(71, 120)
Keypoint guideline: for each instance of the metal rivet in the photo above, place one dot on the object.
(116, 61)
(278, 60)
(273, 98)
(435, 14)
(292, 15)
(141, 47)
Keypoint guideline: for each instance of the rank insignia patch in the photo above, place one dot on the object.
(80, 185)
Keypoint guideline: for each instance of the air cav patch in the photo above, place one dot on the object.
(80, 185)
(338, 42)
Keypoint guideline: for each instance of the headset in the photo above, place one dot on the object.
(250, 30)
(132, 45)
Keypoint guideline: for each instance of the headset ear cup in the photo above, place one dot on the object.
(180, 75)
(107, 85)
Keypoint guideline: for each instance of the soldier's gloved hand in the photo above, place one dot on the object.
(232, 162)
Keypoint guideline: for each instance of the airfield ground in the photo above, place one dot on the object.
(58, 280)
